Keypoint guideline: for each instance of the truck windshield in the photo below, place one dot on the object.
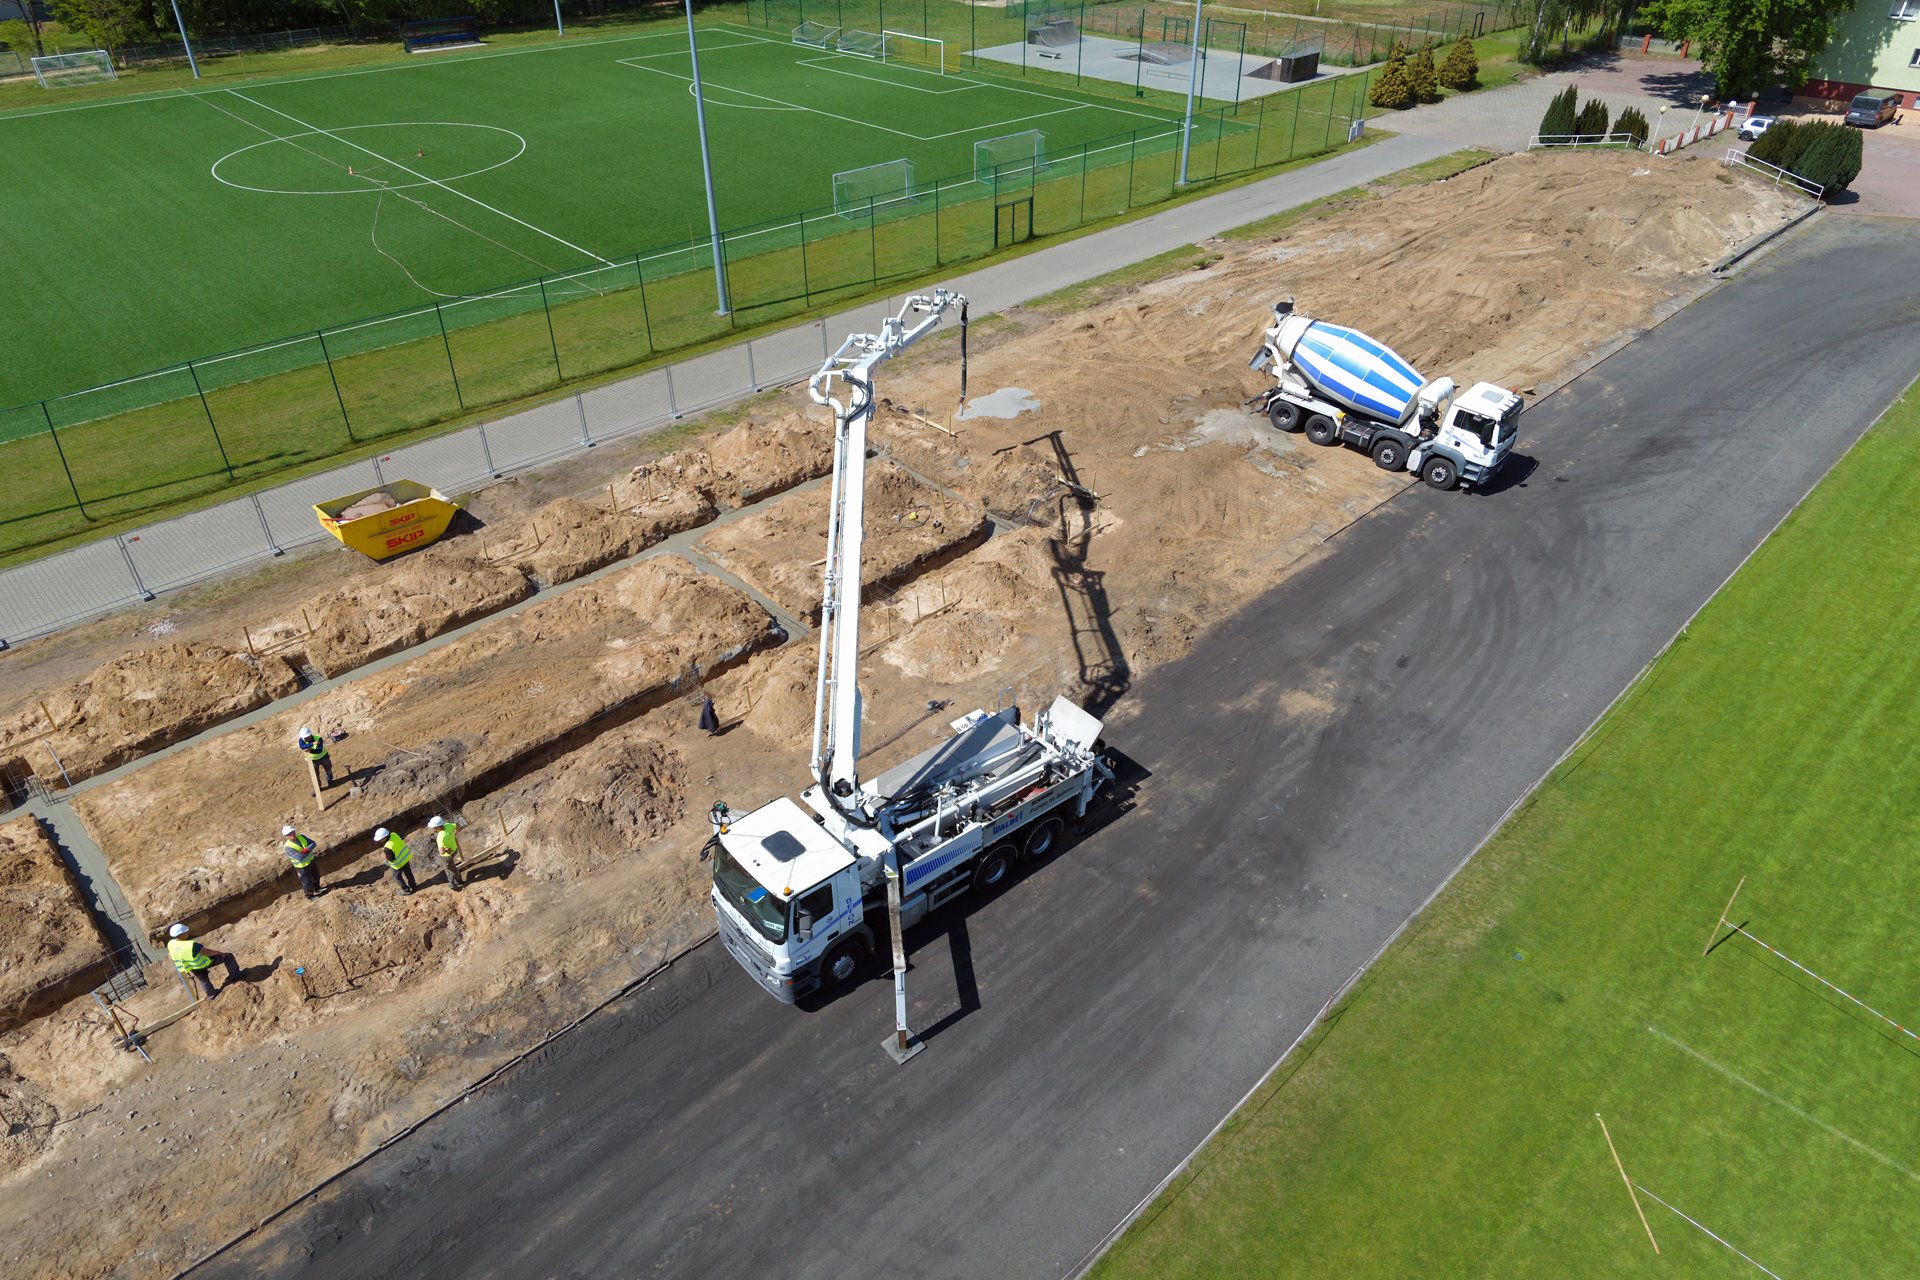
(766, 913)
(1487, 429)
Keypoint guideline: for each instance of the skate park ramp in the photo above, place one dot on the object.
(1224, 75)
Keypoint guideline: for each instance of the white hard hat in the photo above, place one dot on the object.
(286, 831)
(178, 931)
(436, 822)
(305, 732)
(380, 834)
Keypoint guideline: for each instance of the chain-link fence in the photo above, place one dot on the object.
(195, 429)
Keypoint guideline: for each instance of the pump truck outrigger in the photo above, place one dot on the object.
(798, 887)
(1339, 385)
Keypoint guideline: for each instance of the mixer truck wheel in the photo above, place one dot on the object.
(1389, 454)
(1284, 415)
(1322, 430)
(1440, 473)
(844, 963)
(996, 864)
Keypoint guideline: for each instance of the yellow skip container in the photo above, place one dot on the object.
(387, 519)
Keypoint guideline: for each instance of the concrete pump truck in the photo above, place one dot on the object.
(803, 891)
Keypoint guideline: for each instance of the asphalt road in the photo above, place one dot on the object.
(1313, 770)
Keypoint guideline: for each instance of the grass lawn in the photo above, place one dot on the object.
(1441, 1122)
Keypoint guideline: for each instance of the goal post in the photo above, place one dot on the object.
(926, 52)
(874, 187)
(1012, 156)
(56, 70)
(820, 35)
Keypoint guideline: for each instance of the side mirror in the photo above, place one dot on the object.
(802, 923)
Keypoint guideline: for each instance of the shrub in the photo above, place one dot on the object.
(1422, 79)
(1800, 141)
(1592, 120)
(1561, 112)
(1832, 159)
(1633, 124)
(1461, 68)
(1772, 144)
(1392, 88)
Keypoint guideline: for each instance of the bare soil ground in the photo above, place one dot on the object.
(48, 938)
(582, 839)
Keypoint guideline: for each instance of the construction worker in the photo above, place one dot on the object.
(448, 840)
(192, 959)
(314, 748)
(301, 852)
(398, 856)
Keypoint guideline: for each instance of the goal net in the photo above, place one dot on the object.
(57, 69)
(859, 192)
(915, 51)
(1013, 156)
(820, 35)
(862, 44)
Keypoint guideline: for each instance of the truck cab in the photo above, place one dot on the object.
(1474, 436)
(786, 894)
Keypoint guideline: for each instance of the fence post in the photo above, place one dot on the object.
(580, 403)
(211, 426)
(451, 371)
(379, 476)
(139, 587)
(937, 260)
(753, 379)
(265, 528)
(873, 246)
(1083, 186)
(806, 279)
(673, 406)
(48, 415)
(558, 377)
(646, 317)
(1133, 145)
(486, 450)
(1293, 136)
(825, 350)
(339, 399)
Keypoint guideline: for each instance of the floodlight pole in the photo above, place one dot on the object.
(706, 167)
(559, 23)
(184, 42)
(1193, 78)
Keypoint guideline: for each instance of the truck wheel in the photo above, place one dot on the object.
(1322, 430)
(1284, 415)
(996, 864)
(1440, 473)
(1041, 840)
(844, 964)
(1389, 454)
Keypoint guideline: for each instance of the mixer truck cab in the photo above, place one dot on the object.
(1340, 386)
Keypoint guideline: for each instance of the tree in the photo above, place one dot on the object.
(1772, 144)
(1461, 68)
(1561, 113)
(20, 38)
(1799, 142)
(1749, 46)
(109, 24)
(1839, 160)
(1633, 124)
(1392, 88)
(1592, 120)
(1421, 76)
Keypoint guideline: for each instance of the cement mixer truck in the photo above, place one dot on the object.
(1340, 386)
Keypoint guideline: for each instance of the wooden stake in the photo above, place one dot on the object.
(613, 504)
(49, 715)
(249, 635)
(1634, 1195)
(535, 526)
(118, 1025)
(1723, 916)
(306, 618)
(345, 976)
(313, 776)
(503, 826)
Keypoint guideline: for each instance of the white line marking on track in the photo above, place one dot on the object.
(1779, 1101)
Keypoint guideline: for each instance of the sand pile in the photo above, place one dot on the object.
(50, 948)
(1007, 480)
(614, 795)
(750, 463)
(196, 835)
(140, 703)
(961, 622)
(909, 528)
(571, 537)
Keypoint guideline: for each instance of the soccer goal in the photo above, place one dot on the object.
(820, 35)
(57, 70)
(858, 192)
(1010, 156)
(861, 44)
(915, 51)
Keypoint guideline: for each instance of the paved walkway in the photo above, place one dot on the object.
(100, 577)
(1507, 118)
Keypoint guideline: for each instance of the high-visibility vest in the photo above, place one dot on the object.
(398, 854)
(187, 957)
(315, 747)
(449, 842)
(301, 850)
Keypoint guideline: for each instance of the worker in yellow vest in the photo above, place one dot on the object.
(192, 959)
(314, 748)
(448, 841)
(301, 852)
(398, 856)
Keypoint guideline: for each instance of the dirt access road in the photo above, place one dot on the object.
(1306, 776)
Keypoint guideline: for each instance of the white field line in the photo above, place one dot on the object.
(826, 64)
(424, 178)
(677, 53)
(267, 82)
(1779, 1101)
(1704, 1231)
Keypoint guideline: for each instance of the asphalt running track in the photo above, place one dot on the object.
(1092, 1023)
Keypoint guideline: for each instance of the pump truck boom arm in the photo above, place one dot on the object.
(845, 384)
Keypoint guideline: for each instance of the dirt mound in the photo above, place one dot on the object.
(958, 623)
(909, 527)
(140, 703)
(756, 460)
(615, 795)
(1006, 479)
(399, 605)
(50, 947)
(571, 537)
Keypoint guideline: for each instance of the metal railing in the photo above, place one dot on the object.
(1773, 173)
(1542, 141)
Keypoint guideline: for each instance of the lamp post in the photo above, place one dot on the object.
(184, 42)
(706, 167)
(1193, 77)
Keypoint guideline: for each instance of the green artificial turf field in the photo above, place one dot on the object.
(182, 225)
(1442, 1122)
